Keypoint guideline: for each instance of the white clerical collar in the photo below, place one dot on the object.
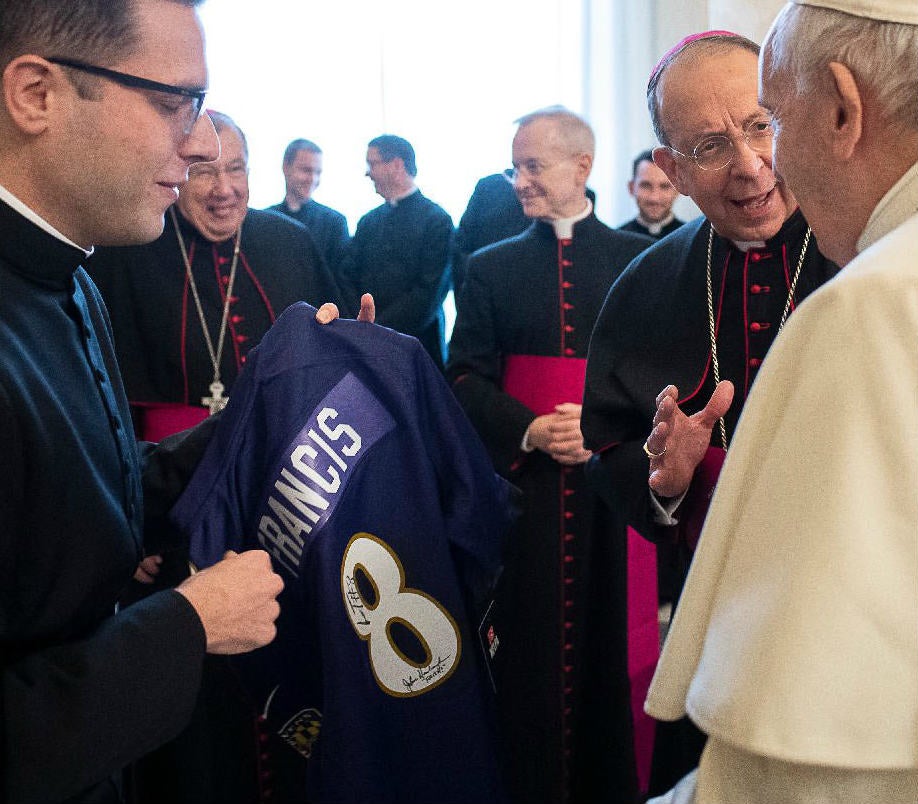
(564, 227)
(656, 227)
(393, 202)
(745, 245)
(40, 222)
(894, 208)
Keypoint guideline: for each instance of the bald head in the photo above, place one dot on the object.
(690, 51)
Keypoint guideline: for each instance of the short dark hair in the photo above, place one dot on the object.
(391, 147)
(298, 145)
(643, 156)
(715, 43)
(97, 31)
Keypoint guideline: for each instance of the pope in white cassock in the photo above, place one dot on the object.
(795, 645)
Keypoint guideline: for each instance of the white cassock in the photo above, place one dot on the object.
(795, 644)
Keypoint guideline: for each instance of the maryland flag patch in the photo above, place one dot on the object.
(302, 731)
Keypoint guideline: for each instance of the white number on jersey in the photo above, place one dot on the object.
(371, 560)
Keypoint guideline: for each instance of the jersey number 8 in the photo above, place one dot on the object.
(393, 618)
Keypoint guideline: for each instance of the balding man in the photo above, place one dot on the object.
(699, 309)
(796, 643)
(517, 359)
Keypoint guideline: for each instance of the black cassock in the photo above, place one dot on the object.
(522, 332)
(327, 226)
(401, 253)
(634, 225)
(158, 336)
(653, 331)
(83, 690)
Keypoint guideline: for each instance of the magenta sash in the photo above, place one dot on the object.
(541, 383)
(154, 421)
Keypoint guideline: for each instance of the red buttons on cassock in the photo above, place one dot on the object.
(759, 326)
(568, 351)
(757, 289)
(754, 362)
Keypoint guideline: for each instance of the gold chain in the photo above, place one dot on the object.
(712, 327)
(215, 354)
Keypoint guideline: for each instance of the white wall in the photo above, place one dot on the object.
(751, 18)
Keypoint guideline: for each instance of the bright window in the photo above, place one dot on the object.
(450, 78)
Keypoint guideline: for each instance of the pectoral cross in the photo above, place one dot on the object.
(216, 401)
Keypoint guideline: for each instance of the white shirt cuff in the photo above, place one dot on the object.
(665, 507)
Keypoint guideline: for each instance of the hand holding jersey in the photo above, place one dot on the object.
(328, 312)
(236, 600)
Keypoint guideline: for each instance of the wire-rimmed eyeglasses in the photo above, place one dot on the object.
(186, 113)
(717, 151)
(530, 169)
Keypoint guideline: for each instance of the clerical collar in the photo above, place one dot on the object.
(40, 222)
(655, 227)
(745, 245)
(564, 227)
(794, 225)
(394, 202)
(900, 203)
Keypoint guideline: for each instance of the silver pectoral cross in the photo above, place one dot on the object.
(216, 401)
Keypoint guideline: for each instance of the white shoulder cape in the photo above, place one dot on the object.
(797, 634)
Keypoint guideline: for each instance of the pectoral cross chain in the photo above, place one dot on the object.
(216, 401)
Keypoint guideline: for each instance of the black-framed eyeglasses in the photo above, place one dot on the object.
(188, 114)
(716, 152)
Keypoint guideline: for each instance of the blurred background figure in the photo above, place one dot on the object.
(401, 250)
(302, 167)
(654, 195)
(493, 213)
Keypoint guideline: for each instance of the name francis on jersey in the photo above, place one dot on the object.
(316, 468)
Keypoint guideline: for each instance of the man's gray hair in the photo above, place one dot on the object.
(883, 56)
(221, 121)
(576, 134)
